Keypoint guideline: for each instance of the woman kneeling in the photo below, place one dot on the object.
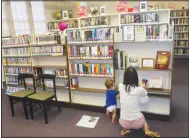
(131, 95)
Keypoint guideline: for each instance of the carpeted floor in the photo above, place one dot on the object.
(64, 124)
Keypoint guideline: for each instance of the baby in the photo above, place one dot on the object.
(111, 102)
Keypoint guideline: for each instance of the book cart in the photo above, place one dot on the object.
(181, 29)
(89, 46)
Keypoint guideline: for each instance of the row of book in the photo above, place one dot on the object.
(181, 43)
(180, 21)
(92, 34)
(16, 51)
(182, 36)
(17, 61)
(140, 18)
(11, 90)
(181, 51)
(91, 69)
(143, 33)
(17, 70)
(95, 21)
(183, 28)
(48, 49)
(91, 51)
(12, 80)
(15, 41)
(42, 39)
(55, 25)
(180, 13)
(60, 73)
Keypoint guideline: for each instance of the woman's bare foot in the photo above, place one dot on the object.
(152, 134)
(125, 131)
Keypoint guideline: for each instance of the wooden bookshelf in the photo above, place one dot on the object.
(181, 29)
(94, 76)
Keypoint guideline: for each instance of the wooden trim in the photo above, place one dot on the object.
(68, 69)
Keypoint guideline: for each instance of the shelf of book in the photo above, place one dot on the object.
(88, 90)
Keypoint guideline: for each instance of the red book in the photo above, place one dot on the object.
(70, 51)
(110, 51)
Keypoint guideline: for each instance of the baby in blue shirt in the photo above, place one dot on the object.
(111, 102)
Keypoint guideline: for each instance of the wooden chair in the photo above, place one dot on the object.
(43, 97)
(22, 95)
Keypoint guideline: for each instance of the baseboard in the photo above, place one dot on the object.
(150, 116)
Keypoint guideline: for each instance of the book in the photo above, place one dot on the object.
(140, 33)
(119, 59)
(128, 33)
(156, 82)
(162, 59)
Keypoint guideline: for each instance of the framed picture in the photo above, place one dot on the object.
(65, 15)
(148, 63)
(143, 5)
(103, 10)
(133, 61)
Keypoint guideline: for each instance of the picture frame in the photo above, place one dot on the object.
(143, 5)
(103, 10)
(65, 15)
(148, 63)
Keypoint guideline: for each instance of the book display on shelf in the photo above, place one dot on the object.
(88, 69)
(90, 52)
(103, 34)
(181, 28)
(139, 18)
(119, 59)
(54, 25)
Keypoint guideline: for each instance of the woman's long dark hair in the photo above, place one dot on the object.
(130, 78)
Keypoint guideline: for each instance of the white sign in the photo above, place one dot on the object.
(88, 121)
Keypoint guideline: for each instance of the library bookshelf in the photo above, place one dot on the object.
(83, 54)
(181, 29)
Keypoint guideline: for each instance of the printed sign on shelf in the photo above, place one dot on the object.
(121, 6)
(82, 9)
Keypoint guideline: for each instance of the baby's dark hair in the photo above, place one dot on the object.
(109, 83)
(130, 78)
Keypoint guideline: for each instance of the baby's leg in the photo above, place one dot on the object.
(108, 114)
(114, 116)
